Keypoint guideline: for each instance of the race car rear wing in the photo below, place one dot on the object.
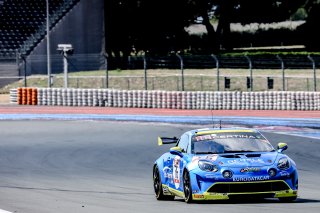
(166, 140)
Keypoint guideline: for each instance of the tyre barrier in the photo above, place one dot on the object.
(24, 96)
(217, 100)
(13, 96)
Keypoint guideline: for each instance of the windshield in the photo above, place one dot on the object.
(228, 142)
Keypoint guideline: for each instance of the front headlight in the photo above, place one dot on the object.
(207, 166)
(283, 163)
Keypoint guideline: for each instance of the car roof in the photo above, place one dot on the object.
(209, 130)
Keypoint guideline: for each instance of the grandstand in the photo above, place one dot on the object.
(23, 34)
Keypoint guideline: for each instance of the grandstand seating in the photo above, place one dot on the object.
(23, 23)
(22, 27)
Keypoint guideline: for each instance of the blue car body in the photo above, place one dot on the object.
(255, 170)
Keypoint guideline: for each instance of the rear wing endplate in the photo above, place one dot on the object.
(166, 140)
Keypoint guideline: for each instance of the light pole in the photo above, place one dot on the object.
(65, 50)
(48, 46)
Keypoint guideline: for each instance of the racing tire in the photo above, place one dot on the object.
(187, 190)
(157, 185)
(287, 199)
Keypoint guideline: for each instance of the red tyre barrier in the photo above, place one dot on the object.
(24, 96)
(29, 96)
(19, 95)
(34, 96)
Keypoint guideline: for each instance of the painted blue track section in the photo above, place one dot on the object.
(250, 121)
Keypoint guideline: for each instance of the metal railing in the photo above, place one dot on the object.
(211, 75)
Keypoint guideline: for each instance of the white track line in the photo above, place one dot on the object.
(3, 211)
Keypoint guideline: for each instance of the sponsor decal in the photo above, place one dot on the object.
(226, 136)
(210, 176)
(284, 174)
(168, 175)
(205, 137)
(198, 196)
(176, 171)
(249, 179)
(237, 136)
(212, 157)
(167, 172)
(246, 160)
(250, 169)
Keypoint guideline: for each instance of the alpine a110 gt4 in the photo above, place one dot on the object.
(221, 164)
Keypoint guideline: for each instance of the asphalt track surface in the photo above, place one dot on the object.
(101, 165)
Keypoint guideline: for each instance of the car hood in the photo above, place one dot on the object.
(242, 159)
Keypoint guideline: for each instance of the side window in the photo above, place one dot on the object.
(183, 142)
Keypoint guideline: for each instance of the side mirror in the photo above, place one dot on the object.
(176, 151)
(282, 147)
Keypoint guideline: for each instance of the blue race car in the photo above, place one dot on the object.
(221, 164)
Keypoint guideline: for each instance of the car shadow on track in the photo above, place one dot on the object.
(251, 201)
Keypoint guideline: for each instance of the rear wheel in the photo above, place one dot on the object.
(187, 187)
(157, 185)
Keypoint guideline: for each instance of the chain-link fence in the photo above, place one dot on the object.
(200, 74)
(192, 80)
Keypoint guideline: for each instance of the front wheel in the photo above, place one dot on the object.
(187, 187)
(157, 185)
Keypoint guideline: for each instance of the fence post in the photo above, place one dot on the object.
(314, 73)
(283, 74)
(182, 72)
(106, 81)
(218, 71)
(48, 43)
(250, 69)
(65, 69)
(145, 73)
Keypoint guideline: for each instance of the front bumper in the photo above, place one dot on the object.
(265, 189)
(213, 186)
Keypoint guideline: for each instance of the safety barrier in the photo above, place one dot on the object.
(218, 100)
(13, 96)
(24, 96)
